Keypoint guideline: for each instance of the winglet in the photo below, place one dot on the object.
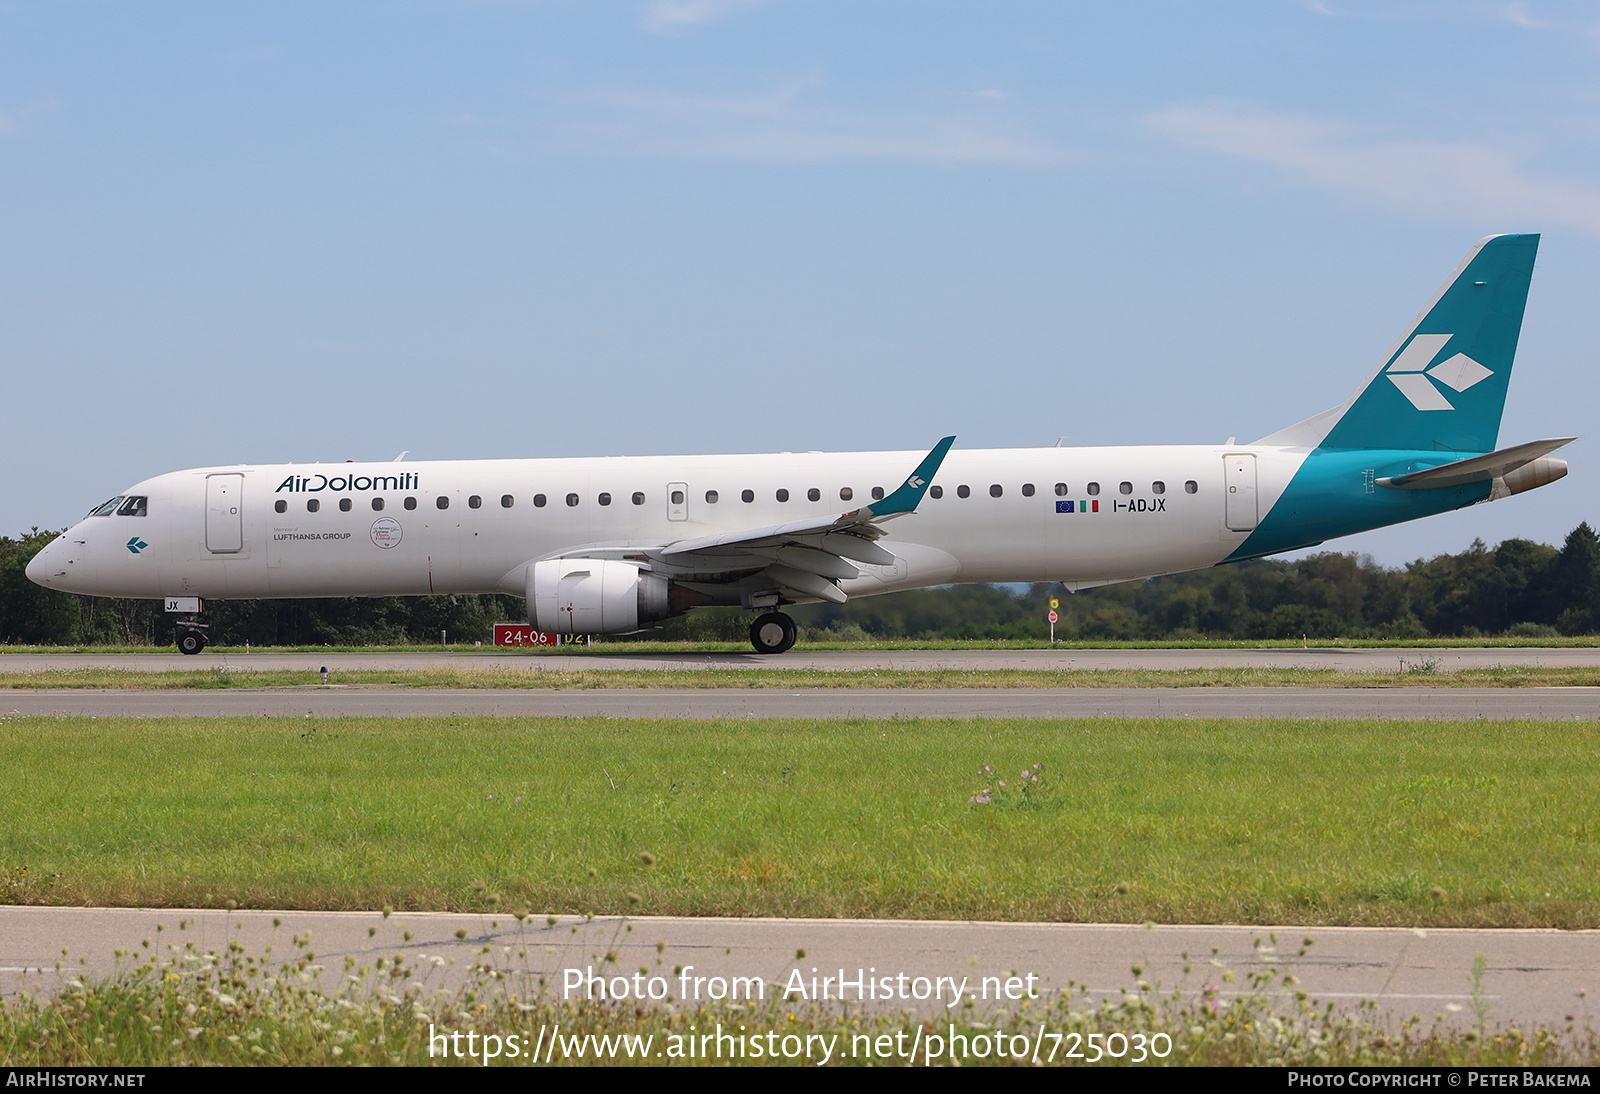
(909, 496)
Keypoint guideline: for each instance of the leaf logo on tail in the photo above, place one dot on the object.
(1418, 383)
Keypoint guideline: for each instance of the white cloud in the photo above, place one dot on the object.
(1566, 16)
(14, 121)
(668, 16)
(1459, 179)
(782, 125)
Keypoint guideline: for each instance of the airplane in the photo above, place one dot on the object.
(616, 545)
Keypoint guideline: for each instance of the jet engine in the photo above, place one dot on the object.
(594, 596)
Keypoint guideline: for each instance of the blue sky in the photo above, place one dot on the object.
(316, 232)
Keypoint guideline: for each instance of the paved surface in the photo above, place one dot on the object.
(1531, 976)
(335, 701)
(1347, 660)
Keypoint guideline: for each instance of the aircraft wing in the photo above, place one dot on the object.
(802, 558)
(809, 557)
(860, 523)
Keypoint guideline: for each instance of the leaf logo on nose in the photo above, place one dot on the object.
(136, 545)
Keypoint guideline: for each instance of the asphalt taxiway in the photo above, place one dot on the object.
(1529, 977)
(1388, 660)
(334, 701)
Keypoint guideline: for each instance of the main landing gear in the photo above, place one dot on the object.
(773, 633)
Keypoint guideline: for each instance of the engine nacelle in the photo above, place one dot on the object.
(594, 596)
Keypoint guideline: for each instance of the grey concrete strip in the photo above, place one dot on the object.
(334, 702)
(1346, 660)
(1530, 976)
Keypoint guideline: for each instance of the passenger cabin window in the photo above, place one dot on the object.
(442, 502)
(936, 492)
(1061, 489)
(747, 496)
(638, 497)
(107, 508)
(877, 493)
(344, 505)
(711, 497)
(996, 490)
(280, 506)
(604, 498)
(572, 500)
(963, 491)
(411, 503)
(783, 495)
(377, 505)
(1124, 487)
(312, 505)
(845, 493)
(475, 502)
(1027, 489)
(677, 497)
(813, 494)
(1190, 487)
(1158, 487)
(538, 501)
(135, 506)
(1093, 488)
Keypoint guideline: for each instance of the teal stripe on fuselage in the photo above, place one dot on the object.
(1332, 494)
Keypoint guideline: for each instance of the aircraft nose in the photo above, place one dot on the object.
(39, 568)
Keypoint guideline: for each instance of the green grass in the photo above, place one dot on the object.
(606, 647)
(1425, 674)
(175, 1005)
(1434, 824)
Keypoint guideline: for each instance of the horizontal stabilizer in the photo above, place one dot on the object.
(1476, 469)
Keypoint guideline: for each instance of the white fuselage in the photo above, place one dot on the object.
(253, 530)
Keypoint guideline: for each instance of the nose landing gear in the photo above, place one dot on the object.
(191, 641)
(773, 632)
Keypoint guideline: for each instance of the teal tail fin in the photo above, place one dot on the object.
(1443, 385)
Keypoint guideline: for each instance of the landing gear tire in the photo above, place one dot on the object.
(191, 642)
(773, 633)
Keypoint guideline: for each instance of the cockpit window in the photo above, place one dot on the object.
(108, 508)
(135, 506)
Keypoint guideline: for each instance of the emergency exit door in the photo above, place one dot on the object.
(1240, 480)
(224, 514)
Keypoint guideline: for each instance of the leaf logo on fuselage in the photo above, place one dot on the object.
(136, 545)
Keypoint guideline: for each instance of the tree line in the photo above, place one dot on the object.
(1517, 588)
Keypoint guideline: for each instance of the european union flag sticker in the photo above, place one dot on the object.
(1063, 507)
